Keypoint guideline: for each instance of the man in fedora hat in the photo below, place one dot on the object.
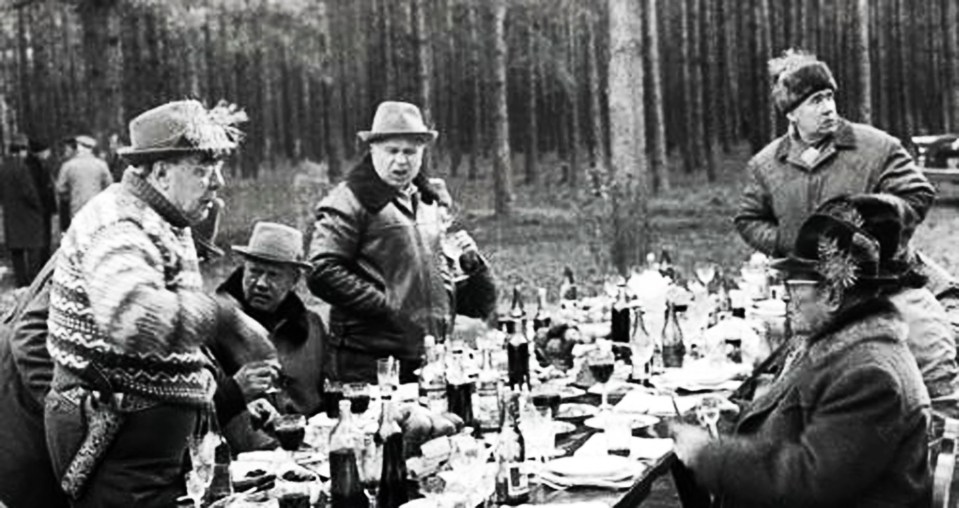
(83, 176)
(128, 318)
(264, 287)
(25, 212)
(845, 423)
(376, 253)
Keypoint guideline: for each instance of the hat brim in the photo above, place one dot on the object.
(427, 136)
(246, 252)
(133, 155)
(795, 266)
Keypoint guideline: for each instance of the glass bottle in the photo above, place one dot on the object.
(619, 329)
(517, 355)
(568, 290)
(643, 348)
(512, 483)
(541, 319)
(392, 492)
(673, 348)
(486, 407)
(346, 488)
(459, 389)
(432, 378)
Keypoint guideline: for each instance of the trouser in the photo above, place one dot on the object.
(355, 366)
(145, 464)
(27, 264)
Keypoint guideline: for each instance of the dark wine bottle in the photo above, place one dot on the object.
(673, 348)
(517, 355)
(620, 326)
(392, 492)
(346, 488)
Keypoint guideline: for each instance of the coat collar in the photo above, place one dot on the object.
(289, 320)
(142, 189)
(875, 319)
(844, 138)
(374, 194)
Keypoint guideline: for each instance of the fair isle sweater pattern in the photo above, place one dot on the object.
(126, 297)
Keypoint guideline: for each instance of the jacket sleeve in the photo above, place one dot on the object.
(129, 297)
(476, 294)
(755, 219)
(901, 177)
(852, 435)
(228, 399)
(333, 250)
(29, 338)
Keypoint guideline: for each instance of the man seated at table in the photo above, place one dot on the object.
(845, 423)
(264, 286)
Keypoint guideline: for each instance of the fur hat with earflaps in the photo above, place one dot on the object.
(182, 128)
(795, 76)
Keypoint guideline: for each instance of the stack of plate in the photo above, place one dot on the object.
(606, 471)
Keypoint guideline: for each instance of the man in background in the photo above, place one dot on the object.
(23, 213)
(81, 178)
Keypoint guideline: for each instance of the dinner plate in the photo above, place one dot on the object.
(638, 421)
(563, 428)
(575, 410)
(569, 392)
(592, 466)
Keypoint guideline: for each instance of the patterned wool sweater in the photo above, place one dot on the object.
(126, 297)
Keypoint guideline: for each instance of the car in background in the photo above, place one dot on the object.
(938, 156)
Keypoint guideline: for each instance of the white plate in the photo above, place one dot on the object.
(574, 410)
(569, 392)
(592, 466)
(561, 428)
(639, 421)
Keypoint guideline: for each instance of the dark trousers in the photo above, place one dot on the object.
(354, 366)
(143, 467)
(27, 264)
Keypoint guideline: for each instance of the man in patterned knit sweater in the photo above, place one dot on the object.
(128, 317)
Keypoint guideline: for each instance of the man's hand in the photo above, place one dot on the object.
(262, 414)
(689, 442)
(255, 378)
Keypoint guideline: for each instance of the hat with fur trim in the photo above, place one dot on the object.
(182, 128)
(795, 76)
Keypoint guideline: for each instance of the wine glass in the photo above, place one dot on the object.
(707, 411)
(705, 272)
(370, 467)
(601, 364)
(196, 485)
(290, 430)
(387, 375)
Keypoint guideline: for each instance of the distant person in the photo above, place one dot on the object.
(377, 256)
(82, 177)
(821, 156)
(40, 162)
(24, 213)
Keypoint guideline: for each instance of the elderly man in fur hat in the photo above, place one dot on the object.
(845, 423)
(128, 318)
(377, 256)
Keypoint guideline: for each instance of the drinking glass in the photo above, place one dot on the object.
(707, 411)
(388, 374)
(359, 396)
(618, 431)
(705, 272)
(601, 365)
(196, 485)
(290, 430)
(370, 467)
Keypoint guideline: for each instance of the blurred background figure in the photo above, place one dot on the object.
(40, 164)
(23, 213)
(81, 178)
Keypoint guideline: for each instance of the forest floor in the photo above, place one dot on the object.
(547, 232)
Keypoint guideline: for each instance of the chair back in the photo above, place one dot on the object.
(945, 464)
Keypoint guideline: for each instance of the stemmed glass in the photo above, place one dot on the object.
(370, 467)
(705, 272)
(196, 485)
(290, 430)
(387, 375)
(708, 413)
(601, 364)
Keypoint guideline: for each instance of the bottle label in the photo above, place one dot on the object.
(517, 483)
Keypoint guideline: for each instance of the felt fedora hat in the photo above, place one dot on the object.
(182, 128)
(276, 243)
(397, 119)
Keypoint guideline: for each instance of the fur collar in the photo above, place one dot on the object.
(289, 321)
(374, 194)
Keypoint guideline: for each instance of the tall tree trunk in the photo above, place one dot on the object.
(657, 114)
(861, 48)
(598, 154)
(951, 25)
(703, 88)
(454, 98)
(730, 57)
(502, 171)
(26, 117)
(688, 141)
(572, 98)
(906, 52)
(532, 138)
(475, 75)
(102, 57)
(424, 60)
(627, 134)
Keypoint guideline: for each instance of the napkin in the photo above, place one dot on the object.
(639, 448)
(640, 401)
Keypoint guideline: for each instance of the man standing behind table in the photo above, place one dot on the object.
(264, 287)
(128, 318)
(376, 253)
(821, 156)
(82, 177)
